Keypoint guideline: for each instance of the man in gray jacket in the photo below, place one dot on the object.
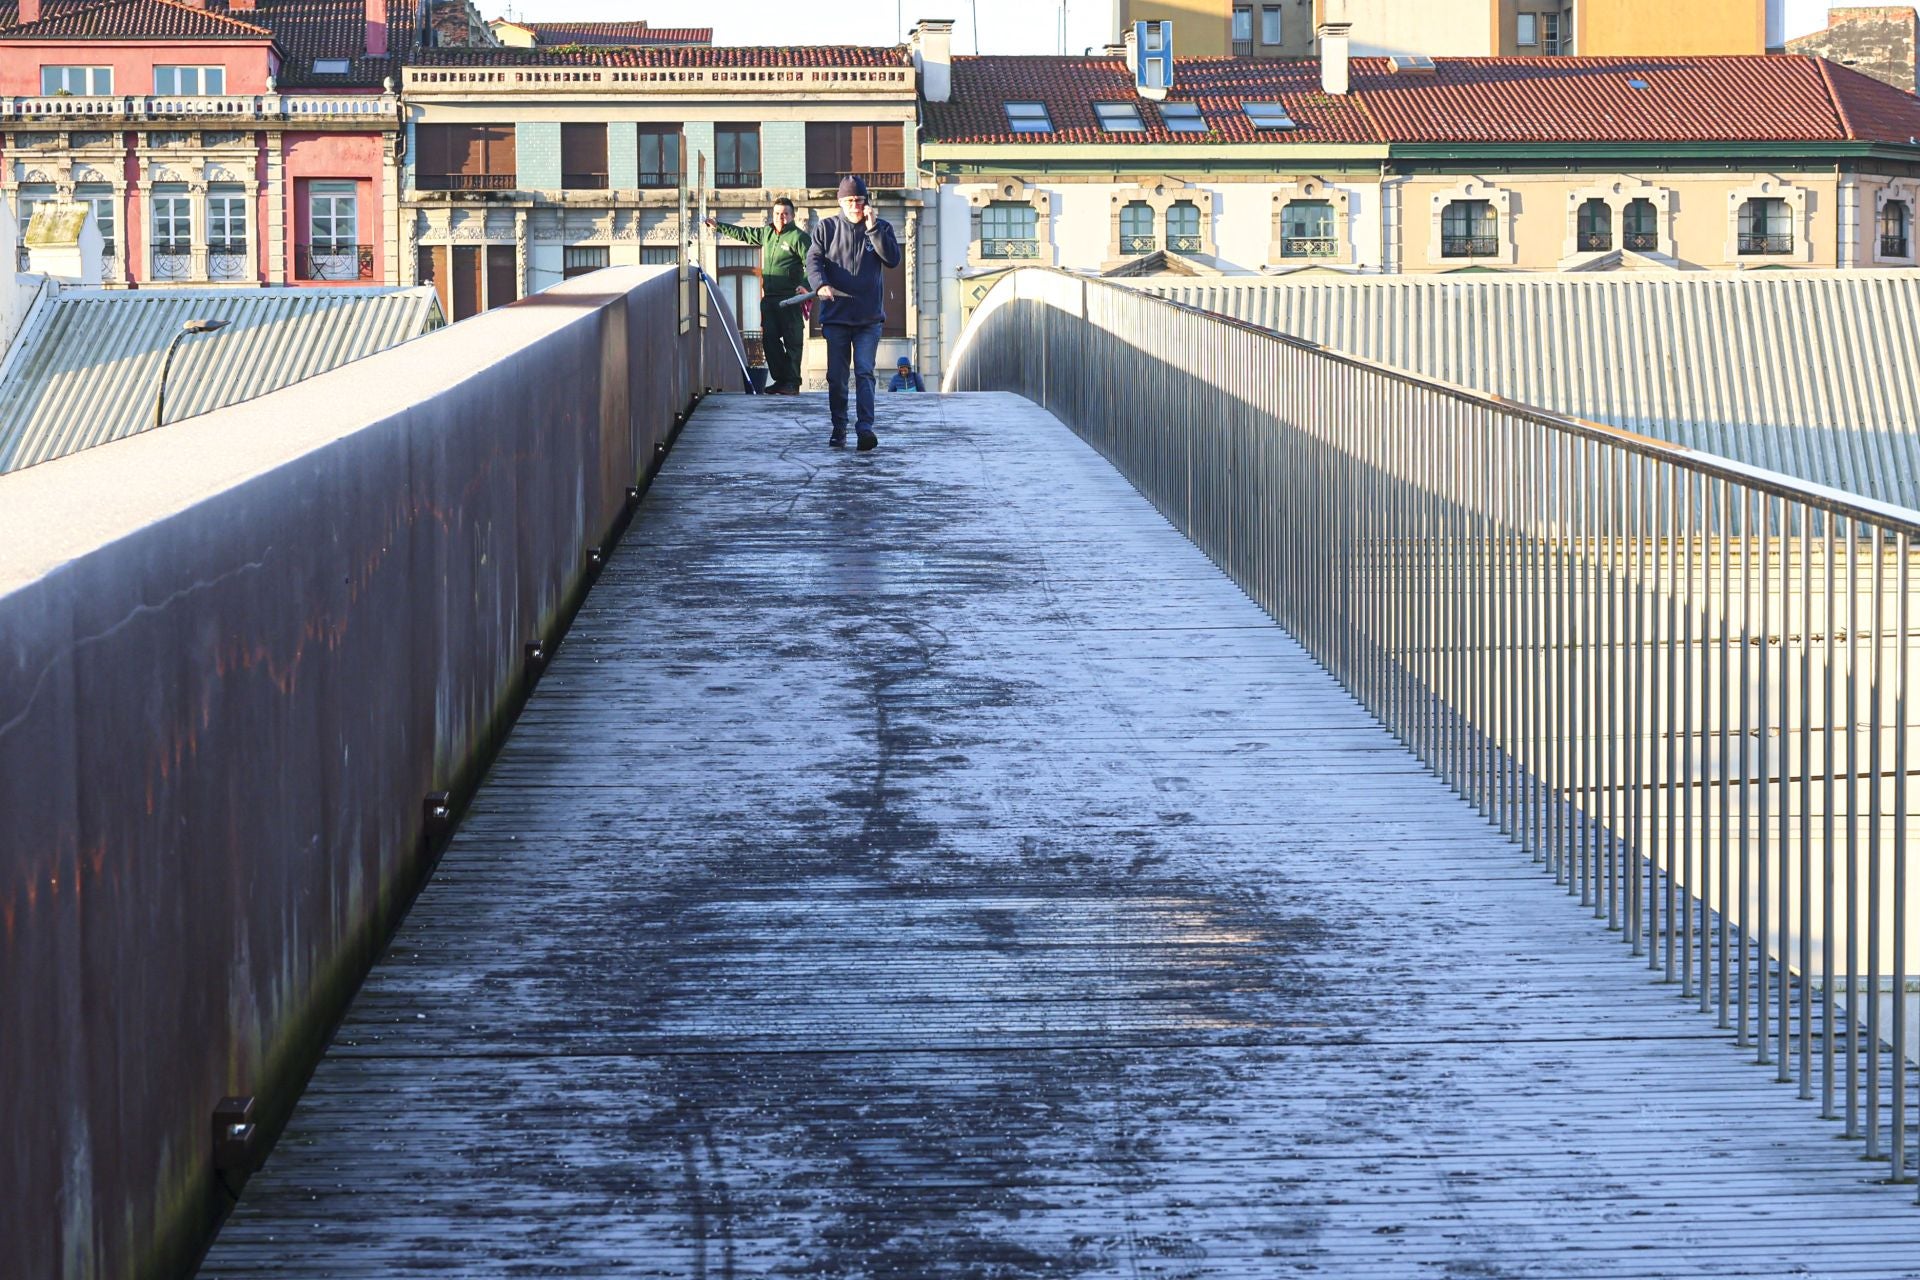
(844, 265)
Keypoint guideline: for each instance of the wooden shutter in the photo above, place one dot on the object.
(499, 149)
(431, 149)
(583, 155)
(890, 150)
(466, 281)
(860, 148)
(432, 269)
(823, 152)
(503, 275)
(894, 293)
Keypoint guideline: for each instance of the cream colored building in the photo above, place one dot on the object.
(526, 166)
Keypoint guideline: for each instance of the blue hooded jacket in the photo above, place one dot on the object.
(850, 259)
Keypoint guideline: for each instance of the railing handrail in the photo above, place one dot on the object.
(1833, 501)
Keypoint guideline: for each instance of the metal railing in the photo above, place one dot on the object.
(830, 178)
(1001, 247)
(1139, 244)
(1309, 247)
(1682, 683)
(323, 261)
(1641, 241)
(1185, 244)
(649, 178)
(1765, 243)
(738, 178)
(1469, 246)
(463, 181)
(1893, 246)
(583, 181)
(1596, 241)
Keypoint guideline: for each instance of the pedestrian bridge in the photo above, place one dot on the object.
(1477, 847)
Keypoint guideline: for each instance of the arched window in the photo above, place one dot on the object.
(1136, 228)
(1183, 227)
(1009, 229)
(1307, 230)
(1641, 231)
(1468, 230)
(1596, 227)
(1895, 219)
(1765, 226)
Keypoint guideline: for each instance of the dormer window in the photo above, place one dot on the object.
(1118, 117)
(1182, 117)
(1029, 117)
(1268, 115)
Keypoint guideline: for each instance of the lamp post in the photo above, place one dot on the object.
(186, 330)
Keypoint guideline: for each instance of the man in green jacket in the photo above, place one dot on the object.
(783, 273)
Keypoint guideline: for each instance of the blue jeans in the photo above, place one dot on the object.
(855, 344)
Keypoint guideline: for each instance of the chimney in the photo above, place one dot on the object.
(1333, 56)
(243, 6)
(376, 28)
(1132, 47)
(932, 45)
(29, 11)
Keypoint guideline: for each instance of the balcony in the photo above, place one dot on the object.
(361, 109)
(737, 178)
(1243, 48)
(325, 261)
(1641, 241)
(1000, 247)
(172, 260)
(1309, 247)
(583, 181)
(1184, 244)
(1469, 246)
(1893, 247)
(1596, 241)
(1752, 243)
(657, 179)
(1139, 244)
(463, 181)
(828, 179)
(229, 260)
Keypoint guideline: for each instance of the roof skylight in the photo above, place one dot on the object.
(1029, 117)
(1182, 117)
(1118, 117)
(1268, 115)
(1637, 83)
(330, 66)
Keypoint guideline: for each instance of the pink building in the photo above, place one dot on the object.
(242, 142)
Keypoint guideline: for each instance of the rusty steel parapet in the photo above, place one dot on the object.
(236, 656)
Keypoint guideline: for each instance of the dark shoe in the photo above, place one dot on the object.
(868, 441)
(839, 438)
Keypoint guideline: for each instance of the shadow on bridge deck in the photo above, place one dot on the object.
(928, 864)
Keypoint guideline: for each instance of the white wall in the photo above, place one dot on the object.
(1451, 29)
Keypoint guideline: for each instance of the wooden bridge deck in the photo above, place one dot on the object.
(927, 864)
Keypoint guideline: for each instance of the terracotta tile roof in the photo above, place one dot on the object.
(129, 20)
(1070, 86)
(835, 55)
(617, 33)
(1468, 101)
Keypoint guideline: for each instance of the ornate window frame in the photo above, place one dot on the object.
(1506, 252)
(1015, 191)
(1617, 195)
(1907, 189)
(1311, 189)
(1159, 194)
(1771, 187)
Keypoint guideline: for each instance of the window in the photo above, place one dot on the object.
(583, 157)
(1029, 117)
(1765, 227)
(1136, 228)
(106, 216)
(1183, 227)
(330, 66)
(739, 271)
(186, 81)
(578, 259)
(1182, 117)
(463, 157)
(1550, 33)
(1594, 232)
(877, 152)
(736, 161)
(333, 250)
(1526, 32)
(82, 81)
(1009, 229)
(1640, 227)
(1242, 26)
(1270, 24)
(1468, 230)
(226, 221)
(172, 223)
(659, 155)
(1306, 230)
(1267, 115)
(1118, 117)
(659, 255)
(1895, 217)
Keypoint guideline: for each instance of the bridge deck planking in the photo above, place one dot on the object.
(890, 879)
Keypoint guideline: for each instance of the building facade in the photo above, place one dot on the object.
(1881, 41)
(526, 166)
(1467, 164)
(245, 146)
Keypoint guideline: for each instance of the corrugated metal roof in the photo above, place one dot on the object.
(1815, 374)
(86, 366)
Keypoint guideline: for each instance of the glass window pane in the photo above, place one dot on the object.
(1528, 33)
(216, 80)
(1270, 24)
(1242, 25)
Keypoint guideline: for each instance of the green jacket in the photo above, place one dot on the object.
(783, 255)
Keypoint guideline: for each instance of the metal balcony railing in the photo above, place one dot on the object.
(736, 178)
(654, 178)
(1761, 244)
(1686, 686)
(1309, 247)
(1009, 248)
(1139, 244)
(874, 178)
(1469, 246)
(1243, 48)
(584, 181)
(333, 261)
(1185, 244)
(1596, 241)
(463, 182)
(1893, 246)
(1641, 241)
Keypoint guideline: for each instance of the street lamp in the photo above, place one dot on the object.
(187, 329)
